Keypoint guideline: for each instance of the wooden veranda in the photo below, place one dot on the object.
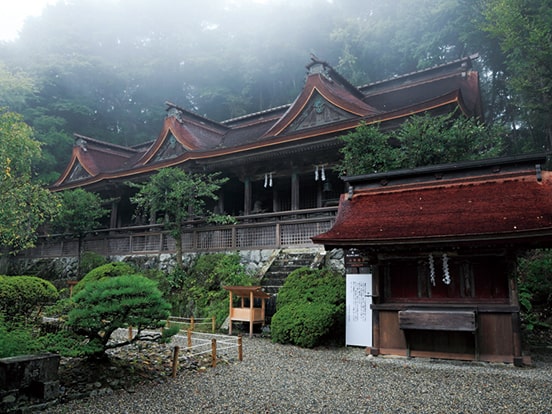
(258, 231)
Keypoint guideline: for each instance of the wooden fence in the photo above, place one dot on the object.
(259, 231)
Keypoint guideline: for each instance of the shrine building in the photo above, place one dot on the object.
(440, 245)
(280, 159)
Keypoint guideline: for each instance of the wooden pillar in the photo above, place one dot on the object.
(251, 314)
(263, 310)
(247, 196)
(294, 190)
(275, 200)
(220, 204)
(516, 320)
(319, 193)
(114, 214)
(230, 314)
(375, 313)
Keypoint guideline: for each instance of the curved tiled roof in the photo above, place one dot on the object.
(501, 206)
(327, 106)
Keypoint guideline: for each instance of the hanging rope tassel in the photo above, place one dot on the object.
(446, 278)
(431, 269)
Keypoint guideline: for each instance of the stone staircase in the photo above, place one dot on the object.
(282, 265)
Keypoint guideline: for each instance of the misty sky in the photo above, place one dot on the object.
(13, 14)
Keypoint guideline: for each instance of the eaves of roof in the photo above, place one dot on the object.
(513, 207)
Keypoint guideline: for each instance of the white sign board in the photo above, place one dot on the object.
(358, 325)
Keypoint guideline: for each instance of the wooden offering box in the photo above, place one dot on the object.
(249, 314)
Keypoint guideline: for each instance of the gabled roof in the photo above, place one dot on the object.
(90, 157)
(322, 101)
(492, 202)
(327, 107)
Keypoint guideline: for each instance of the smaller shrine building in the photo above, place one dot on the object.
(441, 244)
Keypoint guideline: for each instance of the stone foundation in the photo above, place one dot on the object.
(28, 381)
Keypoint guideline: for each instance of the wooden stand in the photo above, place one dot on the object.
(251, 314)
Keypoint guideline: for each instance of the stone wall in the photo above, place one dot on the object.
(60, 270)
(28, 380)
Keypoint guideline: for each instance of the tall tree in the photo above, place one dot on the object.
(420, 141)
(178, 197)
(81, 211)
(24, 206)
(523, 29)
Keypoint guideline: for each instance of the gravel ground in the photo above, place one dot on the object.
(275, 378)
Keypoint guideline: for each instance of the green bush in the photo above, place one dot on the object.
(535, 288)
(24, 296)
(103, 271)
(310, 308)
(200, 292)
(312, 285)
(90, 261)
(16, 339)
(105, 305)
(303, 324)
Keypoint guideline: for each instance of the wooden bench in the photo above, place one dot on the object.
(455, 320)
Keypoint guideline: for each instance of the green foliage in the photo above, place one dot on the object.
(312, 285)
(535, 289)
(201, 292)
(23, 206)
(310, 308)
(16, 88)
(81, 212)
(60, 309)
(24, 296)
(179, 197)
(68, 344)
(16, 339)
(108, 304)
(523, 30)
(104, 271)
(90, 261)
(369, 150)
(302, 324)
(420, 141)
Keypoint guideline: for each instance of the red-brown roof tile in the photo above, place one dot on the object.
(503, 206)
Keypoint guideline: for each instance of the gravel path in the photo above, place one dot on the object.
(276, 378)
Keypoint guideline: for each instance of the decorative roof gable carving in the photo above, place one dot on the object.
(169, 149)
(77, 173)
(317, 112)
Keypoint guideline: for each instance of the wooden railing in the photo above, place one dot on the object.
(258, 231)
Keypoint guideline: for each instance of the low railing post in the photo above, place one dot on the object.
(175, 361)
(213, 352)
(240, 348)
(189, 335)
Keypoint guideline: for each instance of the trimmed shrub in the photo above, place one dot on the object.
(107, 270)
(310, 308)
(111, 303)
(24, 296)
(302, 324)
(312, 285)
